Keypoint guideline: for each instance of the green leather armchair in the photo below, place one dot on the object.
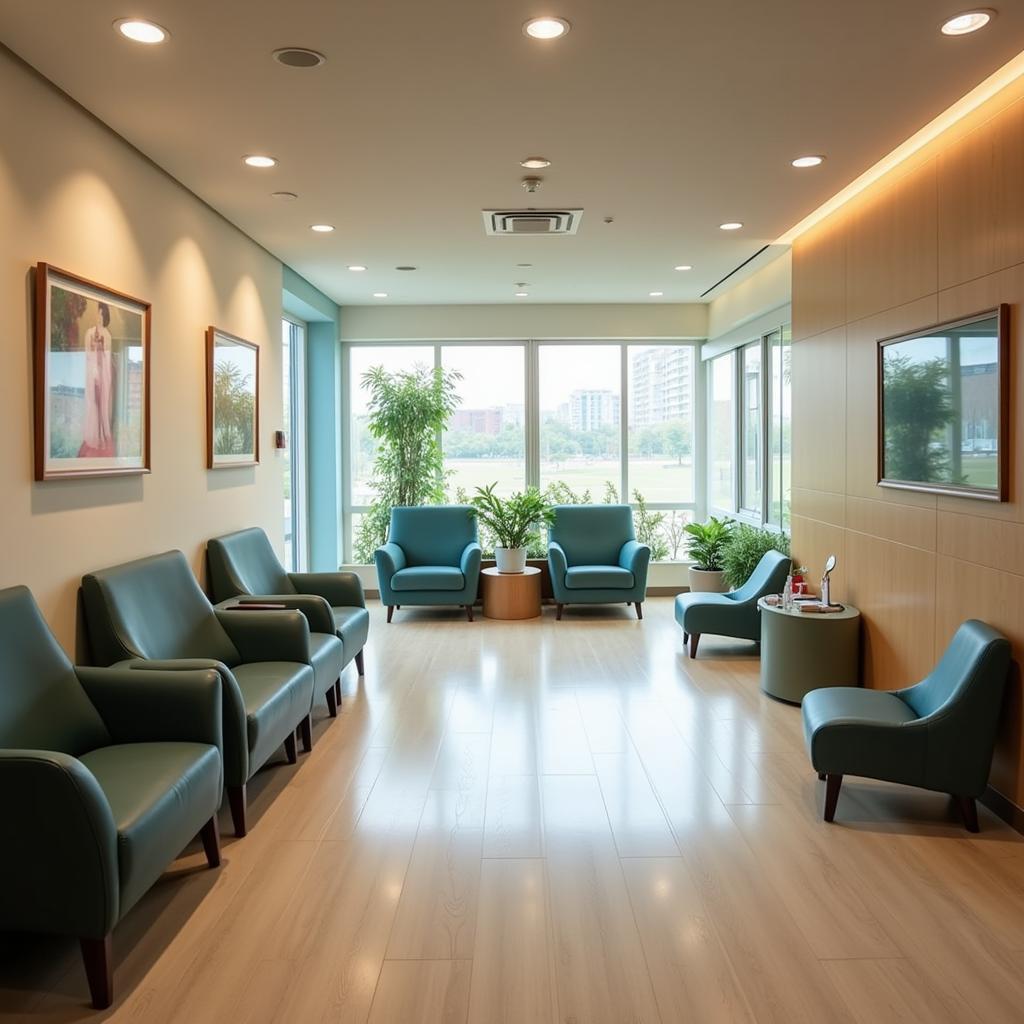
(243, 567)
(431, 558)
(938, 734)
(151, 615)
(103, 783)
(735, 613)
(594, 557)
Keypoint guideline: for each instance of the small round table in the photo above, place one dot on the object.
(511, 595)
(803, 651)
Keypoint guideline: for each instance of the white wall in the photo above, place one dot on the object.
(765, 290)
(75, 195)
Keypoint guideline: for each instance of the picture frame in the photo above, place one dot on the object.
(232, 400)
(944, 407)
(91, 370)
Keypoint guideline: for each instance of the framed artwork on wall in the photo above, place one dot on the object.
(232, 401)
(91, 368)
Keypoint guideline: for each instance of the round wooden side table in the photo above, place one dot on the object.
(511, 595)
(803, 651)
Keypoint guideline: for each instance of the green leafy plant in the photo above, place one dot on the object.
(745, 548)
(513, 521)
(707, 543)
(647, 526)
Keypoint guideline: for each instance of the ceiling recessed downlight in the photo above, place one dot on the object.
(407, 268)
(683, 266)
(380, 295)
(357, 268)
(522, 295)
(322, 229)
(731, 225)
(259, 160)
(139, 31)
(967, 22)
(535, 163)
(298, 57)
(655, 295)
(284, 195)
(808, 161)
(546, 28)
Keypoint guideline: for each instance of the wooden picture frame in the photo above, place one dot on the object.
(1000, 435)
(91, 378)
(232, 427)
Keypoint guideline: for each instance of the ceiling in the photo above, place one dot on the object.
(669, 117)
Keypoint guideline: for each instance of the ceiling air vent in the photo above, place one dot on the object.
(532, 222)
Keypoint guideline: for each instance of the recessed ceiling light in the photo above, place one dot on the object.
(406, 268)
(357, 268)
(524, 266)
(258, 160)
(380, 295)
(522, 295)
(968, 21)
(535, 163)
(139, 31)
(656, 295)
(546, 28)
(683, 266)
(732, 225)
(298, 57)
(323, 229)
(283, 195)
(808, 161)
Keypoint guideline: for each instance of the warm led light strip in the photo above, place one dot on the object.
(1005, 76)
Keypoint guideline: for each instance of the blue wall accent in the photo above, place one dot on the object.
(323, 416)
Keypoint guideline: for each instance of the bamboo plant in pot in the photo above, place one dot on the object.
(512, 521)
(706, 547)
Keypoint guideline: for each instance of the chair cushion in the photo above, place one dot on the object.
(428, 577)
(598, 577)
(326, 653)
(277, 696)
(161, 795)
(353, 627)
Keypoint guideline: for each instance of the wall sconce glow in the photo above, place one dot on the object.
(322, 229)
(141, 31)
(546, 28)
(535, 163)
(259, 160)
(808, 161)
(656, 295)
(357, 268)
(683, 266)
(732, 225)
(380, 295)
(968, 22)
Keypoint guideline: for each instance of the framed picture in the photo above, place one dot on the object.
(232, 401)
(91, 363)
(944, 408)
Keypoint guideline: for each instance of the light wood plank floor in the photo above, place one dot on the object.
(562, 822)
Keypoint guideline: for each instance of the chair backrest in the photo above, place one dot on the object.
(592, 534)
(152, 608)
(973, 666)
(42, 704)
(768, 577)
(245, 563)
(432, 534)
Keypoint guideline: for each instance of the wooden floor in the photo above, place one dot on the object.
(562, 822)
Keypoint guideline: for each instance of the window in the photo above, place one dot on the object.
(722, 433)
(293, 379)
(779, 436)
(752, 429)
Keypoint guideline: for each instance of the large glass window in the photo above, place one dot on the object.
(722, 433)
(779, 436)
(293, 380)
(752, 428)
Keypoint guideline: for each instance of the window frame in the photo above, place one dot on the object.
(297, 452)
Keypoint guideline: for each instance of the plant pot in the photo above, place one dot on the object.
(510, 560)
(704, 582)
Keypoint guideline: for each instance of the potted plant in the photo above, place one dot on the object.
(513, 521)
(746, 547)
(706, 547)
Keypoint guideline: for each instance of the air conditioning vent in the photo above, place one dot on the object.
(532, 222)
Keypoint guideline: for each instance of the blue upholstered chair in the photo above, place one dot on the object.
(431, 558)
(733, 614)
(936, 735)
(594, 557)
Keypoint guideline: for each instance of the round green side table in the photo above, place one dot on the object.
(803, 651)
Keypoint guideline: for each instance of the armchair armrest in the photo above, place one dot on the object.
(316, 610)
(338, 589)
(635, 557)
(390, 558)
(470, 561)
(268, 636)
(58, 843)
(557, 560)
(183, 706)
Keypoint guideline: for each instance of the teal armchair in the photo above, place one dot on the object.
(243, 567)
(594, 557)
(938, 734)
(735, 613)
(103, 783)
(151, 616)
(431, 558)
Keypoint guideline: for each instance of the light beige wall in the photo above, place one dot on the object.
(654, 320)
(938, 238)
(75, 195)
(765, 290)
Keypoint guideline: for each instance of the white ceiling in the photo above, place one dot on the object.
(671, 116)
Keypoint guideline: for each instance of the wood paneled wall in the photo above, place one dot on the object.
(937, 238)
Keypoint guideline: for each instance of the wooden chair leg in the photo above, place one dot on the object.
(686, 638)
(469, 612)
(210, 835)
(332, 704)
(236, 799)
(391, 611)
(290, 750)
(694, 640)
(337, 692)
(639, 609)
(99, 972)
(832, 785)
(306, 733)
(821, 776)
(969, 812)
(558, 612)
(398, 607)
(360, 664)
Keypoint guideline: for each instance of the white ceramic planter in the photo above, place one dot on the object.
(704, 582)
(510, 560)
